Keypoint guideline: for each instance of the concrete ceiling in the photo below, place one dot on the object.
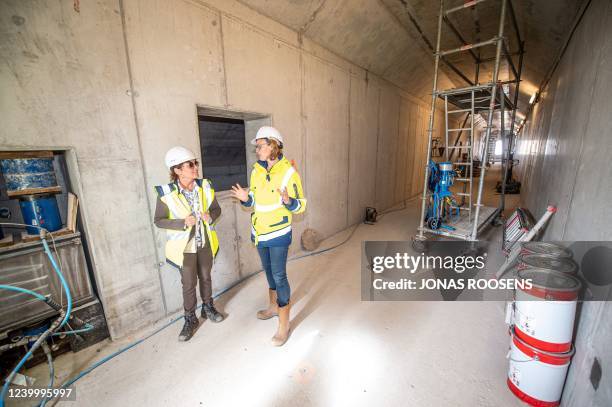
(390, 37)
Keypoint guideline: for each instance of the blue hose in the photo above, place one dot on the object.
(66, 317)
(63, 281)
(23, 290)
(120, 351)
(88, 327)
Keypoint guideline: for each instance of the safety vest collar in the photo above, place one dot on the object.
(280, 166)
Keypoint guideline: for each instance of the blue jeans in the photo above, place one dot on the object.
(274, 262)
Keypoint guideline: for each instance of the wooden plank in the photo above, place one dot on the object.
(25, 154)
(34, 191)
(7, 241)
(71, 213)
(30, 238)
(19, 244)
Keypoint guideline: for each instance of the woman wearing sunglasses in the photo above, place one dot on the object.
(276, 194)
(187, 209)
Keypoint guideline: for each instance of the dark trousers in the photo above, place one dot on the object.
(196, 266)
(274, 262)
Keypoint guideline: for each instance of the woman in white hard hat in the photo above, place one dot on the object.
(187, 209)
(276, 194)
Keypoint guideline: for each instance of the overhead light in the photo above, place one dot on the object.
(533, 97)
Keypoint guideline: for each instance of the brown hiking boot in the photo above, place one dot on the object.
(272, 309)
(282, 334)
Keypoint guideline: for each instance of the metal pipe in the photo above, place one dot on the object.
(471, 155)
(504, 157)
(510, 138)
(514, 23)
(446, 129)
(510, 61)
(465, 5)
(468, 47)
(516, 91)
(476, 38)
(431, 121)
(465, 90)
(500, 36)
(512, 54)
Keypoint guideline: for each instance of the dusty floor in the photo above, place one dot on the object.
(342, 352)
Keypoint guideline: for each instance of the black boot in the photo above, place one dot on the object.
(190, 327)
(209, 311)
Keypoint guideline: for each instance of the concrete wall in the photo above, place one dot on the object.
(565, 147)
(565, 153)
(119, 83)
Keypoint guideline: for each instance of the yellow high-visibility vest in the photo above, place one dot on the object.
(271, 218)
(176, 240)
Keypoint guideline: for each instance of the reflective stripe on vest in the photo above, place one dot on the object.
(208, 192)
(287, 177)
(271, 235)
(267, 208)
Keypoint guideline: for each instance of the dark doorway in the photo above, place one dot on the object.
(223, 144)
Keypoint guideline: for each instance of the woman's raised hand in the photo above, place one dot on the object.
(240, 193)
(284, 195)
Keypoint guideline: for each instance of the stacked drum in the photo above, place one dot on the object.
(543, 323)
(30, 177)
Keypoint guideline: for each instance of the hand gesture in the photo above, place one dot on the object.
(242, 194)
(284, 195)
(205, 217)
(190, 221)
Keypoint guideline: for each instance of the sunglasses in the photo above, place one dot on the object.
(191, 164)
(259, 146)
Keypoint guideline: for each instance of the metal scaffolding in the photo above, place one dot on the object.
(476, 98)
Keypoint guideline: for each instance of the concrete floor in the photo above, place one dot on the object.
(342, 352)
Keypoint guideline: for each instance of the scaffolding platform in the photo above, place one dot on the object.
(462, 99)
(463, 225)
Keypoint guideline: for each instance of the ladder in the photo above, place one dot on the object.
(467, 179)
(491, 152)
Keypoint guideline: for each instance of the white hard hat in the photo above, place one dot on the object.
(267, 132)
(177, 155)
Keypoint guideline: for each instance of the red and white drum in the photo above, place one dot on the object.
(552, 263)
(545, 248)
(544, 314)
(535, 376)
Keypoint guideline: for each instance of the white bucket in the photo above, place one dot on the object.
(534, 376)
(544, 315)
